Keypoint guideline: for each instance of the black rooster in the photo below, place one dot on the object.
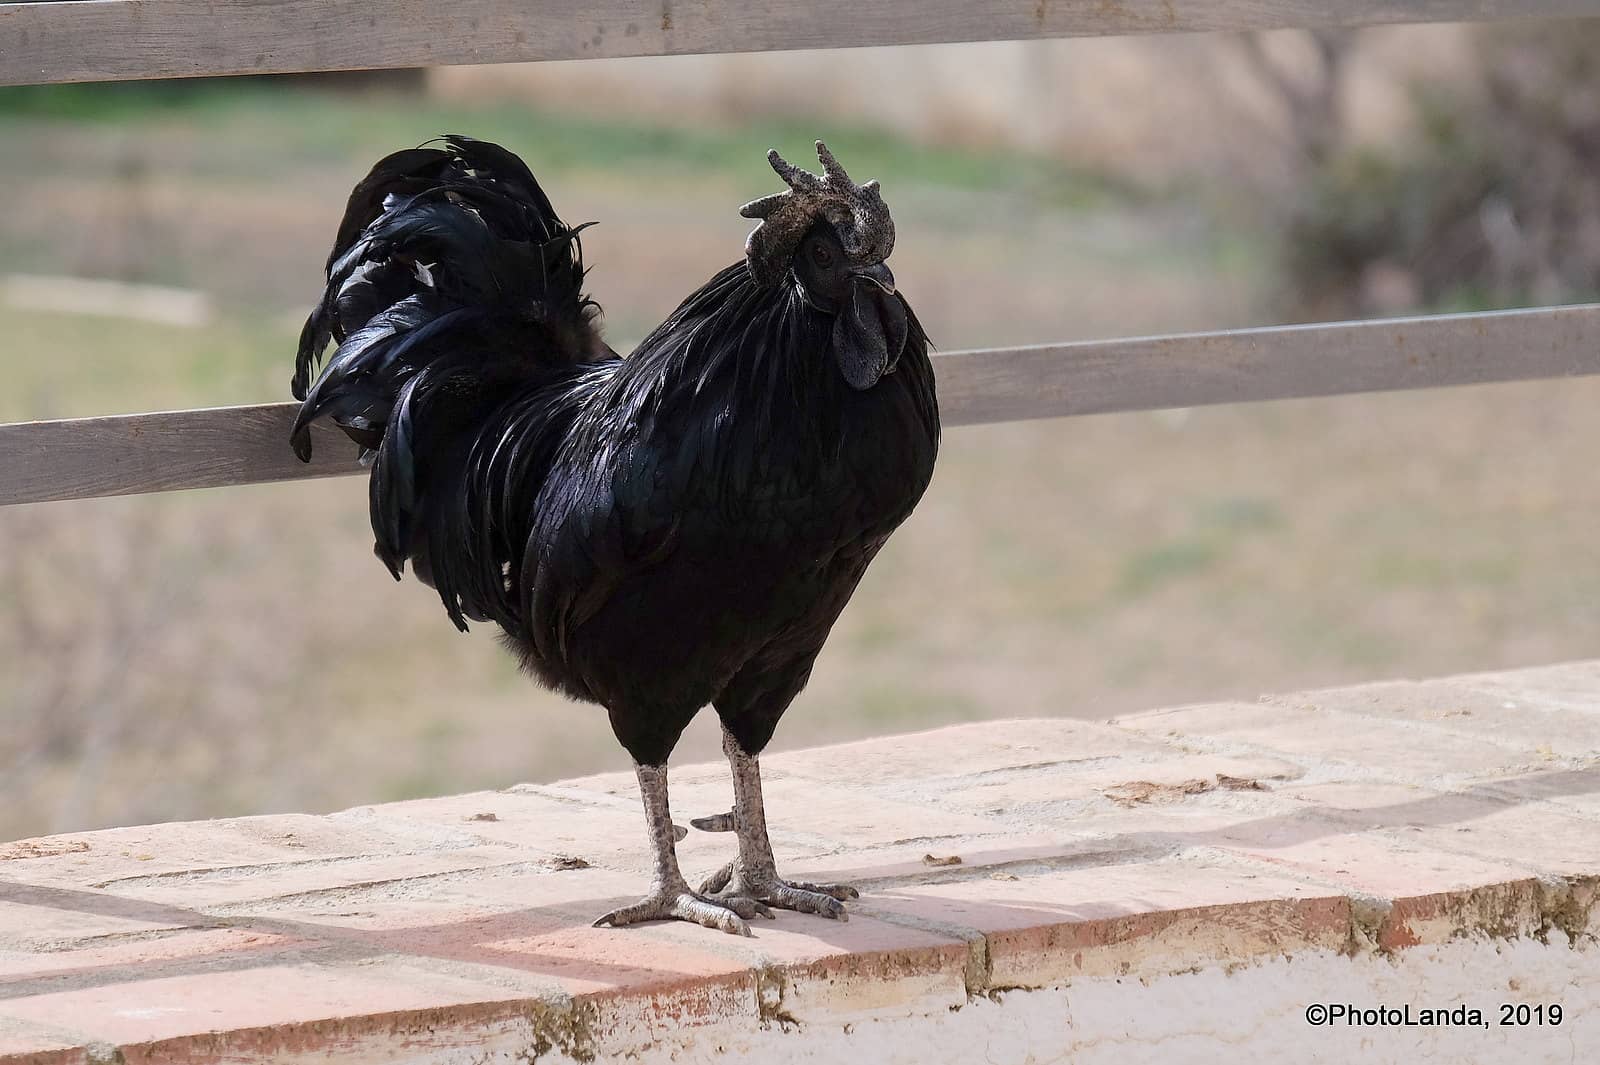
(651, 533)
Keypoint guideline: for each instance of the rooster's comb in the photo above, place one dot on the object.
(857, 212)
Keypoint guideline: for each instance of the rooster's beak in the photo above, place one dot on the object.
(879, 275)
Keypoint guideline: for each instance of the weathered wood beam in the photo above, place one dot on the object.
(111, 40)
(80, 458)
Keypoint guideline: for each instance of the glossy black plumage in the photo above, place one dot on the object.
(653, 534)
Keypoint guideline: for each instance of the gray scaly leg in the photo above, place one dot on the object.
(753, 876)
(669, 898)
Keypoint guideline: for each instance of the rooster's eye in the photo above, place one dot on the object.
(821, 254)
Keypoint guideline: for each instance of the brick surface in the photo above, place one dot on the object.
(1549, 842)
(1575, 787)
(1550, 728)
(1300, 727)
(843, 973)
(1007, 854)
(961, 751)
(1571, 685)
(25, 1044)
(1129, 781)
(930, 859)
(35, 925)
(412, 903)
(1137, 918)
(1365, 862)
(24, 973)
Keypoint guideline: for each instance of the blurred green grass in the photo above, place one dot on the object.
(249, 122)
(64, 365)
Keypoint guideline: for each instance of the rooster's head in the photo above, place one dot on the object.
(830, 237)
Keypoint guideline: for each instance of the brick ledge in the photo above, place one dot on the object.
(1359, 821)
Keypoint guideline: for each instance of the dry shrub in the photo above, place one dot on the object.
(1495, 202)
(138, 685)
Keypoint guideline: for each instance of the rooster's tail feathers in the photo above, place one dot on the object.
(440, 250)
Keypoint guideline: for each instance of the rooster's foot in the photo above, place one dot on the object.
(728, 885)
(680, 904)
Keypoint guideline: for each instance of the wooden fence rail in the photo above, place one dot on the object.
(107, 40)
(80, 458)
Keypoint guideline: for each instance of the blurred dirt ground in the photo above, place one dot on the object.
(240, 651)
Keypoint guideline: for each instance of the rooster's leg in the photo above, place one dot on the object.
(753, 875)
(670, 897)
